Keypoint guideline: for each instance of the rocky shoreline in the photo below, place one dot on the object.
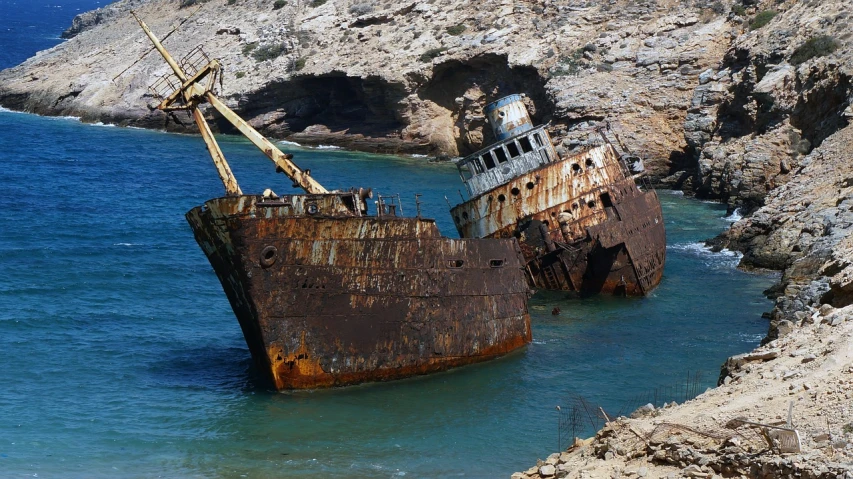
(806, 359)
(744, 101)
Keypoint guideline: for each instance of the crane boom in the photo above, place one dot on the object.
(192, 92)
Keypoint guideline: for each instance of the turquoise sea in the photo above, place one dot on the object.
(121, 356)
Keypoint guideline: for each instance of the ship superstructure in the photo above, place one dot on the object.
(583, 221)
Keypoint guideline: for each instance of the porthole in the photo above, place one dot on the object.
(530, 185)
(312, 209)
(496, 263)
(591, 204)
(589, 162)
(574, 206)
(455, 263)
(501, 198)
(268, 256)
(515, 191)
(465, 215)
(576, 167)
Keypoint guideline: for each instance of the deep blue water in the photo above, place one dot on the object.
(121, 356)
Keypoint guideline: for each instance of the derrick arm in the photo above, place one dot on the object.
(188, 92)
(282, 161)
(192, 92)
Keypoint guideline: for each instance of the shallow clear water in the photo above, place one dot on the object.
(121, 356)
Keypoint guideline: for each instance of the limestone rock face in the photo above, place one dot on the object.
(754, 117)
(396, 76)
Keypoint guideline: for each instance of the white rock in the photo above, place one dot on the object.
(547, 470)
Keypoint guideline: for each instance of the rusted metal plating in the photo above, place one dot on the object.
(583, 223)
(328, 298)
(508, 117)
(327, 295)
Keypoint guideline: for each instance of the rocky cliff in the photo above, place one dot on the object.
(390, 76)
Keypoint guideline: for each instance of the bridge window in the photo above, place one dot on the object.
(476, 166)
(488, 160)
(537, 139)
(501, 154)
(513, 149)
(455, 263)
(496, 263)
(605, 200)
(525, 144)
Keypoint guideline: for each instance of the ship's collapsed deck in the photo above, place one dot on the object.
(583, 223)
(326, 297)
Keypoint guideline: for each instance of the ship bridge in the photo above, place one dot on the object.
(520, 148)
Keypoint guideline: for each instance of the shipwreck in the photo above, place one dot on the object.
(328, 293)
(583, 221)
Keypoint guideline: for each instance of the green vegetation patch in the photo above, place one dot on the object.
(456, 29)
(249, 47)
(279, 4)
(299, 64)
(762, 19)
(569, 65)
(814, 47)
(739, 10)
(269, 52)
(359, 9)
(428, 55)
(189, 3)
(317, 3)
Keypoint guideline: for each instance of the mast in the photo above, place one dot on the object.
(191, 92)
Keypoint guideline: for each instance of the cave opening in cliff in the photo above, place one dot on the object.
(464, 87)
(336, 102)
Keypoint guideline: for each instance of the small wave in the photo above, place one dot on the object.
(327, 147)
(105, 125)
(676, 192)
(415, 155)
(127, 244)
(735, 216)
(73, 118)
(286, 142)
(724, 257)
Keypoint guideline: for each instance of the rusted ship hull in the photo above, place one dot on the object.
(583, 224)
(326, 300)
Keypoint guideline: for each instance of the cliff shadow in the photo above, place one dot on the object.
(342, 104)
